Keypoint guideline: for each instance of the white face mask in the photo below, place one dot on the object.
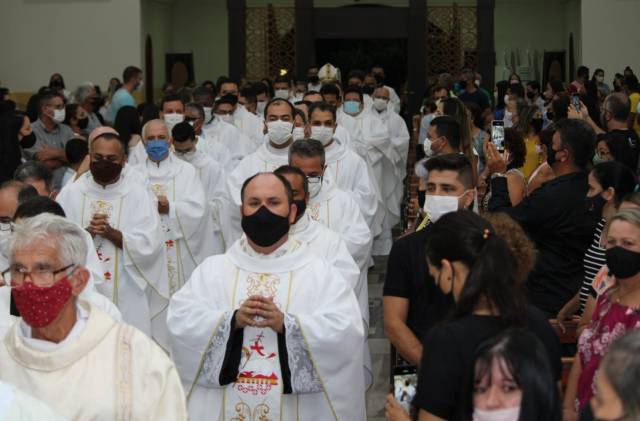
(509, 414)
(380, 104)
(186, 156)
(298, 133)
(260, 107)
(171, 119)
(428, 152)
(322, 134)
(436, 206)
(227, 118)
(314, 187)
(279, 131)
(59, 115)
(207, 114)
(420, 170)
(281, 93)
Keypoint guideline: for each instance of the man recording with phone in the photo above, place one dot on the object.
(554, 216)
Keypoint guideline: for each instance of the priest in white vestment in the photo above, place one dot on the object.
(220, 129)
(320, 239)
(185, 215)
(216, 150)
(268, 329)
(399, 135)
(269, 156)
(18, 406)
(209, 172)
(338, 211)
(345, 168)
(65, 351)
(120, 213)
(370, 139)
(248, 123)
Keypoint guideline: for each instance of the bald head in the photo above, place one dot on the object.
(381, 92)
(154, 130)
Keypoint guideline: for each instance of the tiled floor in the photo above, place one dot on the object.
(378, 343)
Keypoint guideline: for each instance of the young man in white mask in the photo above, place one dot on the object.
(274, 152)
(172, 110)
(347, 169)
(282, 88)
(412, 303)
(51, 136)
(221, 129)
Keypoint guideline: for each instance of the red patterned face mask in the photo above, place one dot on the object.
(40, 306)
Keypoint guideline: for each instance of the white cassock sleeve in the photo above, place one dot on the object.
(191, 219)
(340, 258)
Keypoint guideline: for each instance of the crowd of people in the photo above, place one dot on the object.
(207, 256)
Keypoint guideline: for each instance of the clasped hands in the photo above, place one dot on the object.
(259, 311)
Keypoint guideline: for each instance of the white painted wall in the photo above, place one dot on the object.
(83, 40)
(156, 21)
(610, 35)
(201, 27)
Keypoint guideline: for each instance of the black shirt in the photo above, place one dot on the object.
(447, 360)
(408, 277)
(556, 218)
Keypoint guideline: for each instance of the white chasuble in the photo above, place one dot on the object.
(108, 371)
(351, 173)
(187, 228)
(308, 372)
(338, 211)
(134, 275)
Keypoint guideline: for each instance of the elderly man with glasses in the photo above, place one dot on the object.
(67, 352)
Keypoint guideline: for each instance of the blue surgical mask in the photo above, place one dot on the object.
(157, 149)
(351, 107)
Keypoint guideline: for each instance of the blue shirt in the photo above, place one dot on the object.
(121, 98)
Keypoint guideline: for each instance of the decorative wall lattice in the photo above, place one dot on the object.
(452, 38)
(270, 41)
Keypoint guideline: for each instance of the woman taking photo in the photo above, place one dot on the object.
(616, 310)
(471, 263)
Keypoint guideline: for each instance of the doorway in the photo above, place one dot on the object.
(362, 54)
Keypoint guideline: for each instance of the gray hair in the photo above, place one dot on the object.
(143, 133)
(621, 365)
(64, 235)
(196, 107)
(84, 91)
(307, 148)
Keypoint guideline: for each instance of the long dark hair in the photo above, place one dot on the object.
(465, 237)
(524, 359)
(127, 123)
(617, 175)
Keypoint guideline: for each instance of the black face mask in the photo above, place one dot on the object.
(551, 156)
(83, 123)
(531, 95)
(622, 263)
(264, 227)
(368, 89)
(105, 171)
(302, 206)
(536, 123)
(313, 79)
(595, 204)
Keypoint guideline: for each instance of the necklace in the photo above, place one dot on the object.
(619, 297)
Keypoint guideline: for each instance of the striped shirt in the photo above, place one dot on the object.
(594, 259)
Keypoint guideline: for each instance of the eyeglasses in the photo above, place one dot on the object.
(16, 276)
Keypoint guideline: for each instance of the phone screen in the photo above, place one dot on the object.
(405, 385)
(575, 98)
(497, 134)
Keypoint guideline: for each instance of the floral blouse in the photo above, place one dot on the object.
(609, 322)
